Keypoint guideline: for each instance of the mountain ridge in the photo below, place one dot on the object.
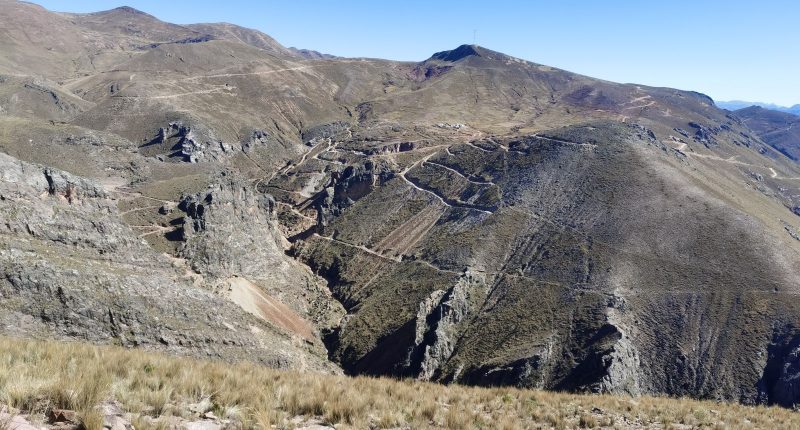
(781, 130)
(738, 104)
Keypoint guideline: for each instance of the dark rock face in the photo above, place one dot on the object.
(588, 96)
(223, 226)
(607, 366)
(424, 72)
(259, 138)
(346, 188)
(780, 383)
(703, 134)
(310, 54)
(436, 326)
(64, 105)
(185, 143)
(459, 53)
(196, 143)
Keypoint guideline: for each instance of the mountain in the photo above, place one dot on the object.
(738, 104)
(310, 54)
(247, 36)
(469, 218)
(779, 129)
(127, 22)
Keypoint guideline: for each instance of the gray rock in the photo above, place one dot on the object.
(259, 138)
(71, 268)
(324, 131)
(231, 231)
(16, 422)
(437, 324)
(190, 143)
(202, 425)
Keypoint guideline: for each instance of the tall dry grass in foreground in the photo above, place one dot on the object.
(36, 376)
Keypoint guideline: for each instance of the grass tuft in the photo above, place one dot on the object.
(36, 376)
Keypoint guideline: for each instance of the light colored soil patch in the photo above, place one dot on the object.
(111, 184)
(311, 186)
(247, 295)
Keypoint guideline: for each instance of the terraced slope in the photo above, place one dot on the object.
(587, 258)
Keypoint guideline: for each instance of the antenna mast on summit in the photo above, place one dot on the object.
(474, 36)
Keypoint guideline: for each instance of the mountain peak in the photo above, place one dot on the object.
(123, 10)
(459, 53)
(468, 51)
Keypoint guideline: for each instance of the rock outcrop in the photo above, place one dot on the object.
(70, 268)
(185, 143)
(230, 231)
(437, 324)
(780, 383)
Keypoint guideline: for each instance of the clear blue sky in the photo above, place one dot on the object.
(747, 50)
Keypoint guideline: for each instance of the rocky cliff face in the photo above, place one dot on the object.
(231, 234)
(437, 324)
(780, 382)
(70, 268)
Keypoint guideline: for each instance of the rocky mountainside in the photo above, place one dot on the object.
(72, 268)
(779, 129)
(471, 218)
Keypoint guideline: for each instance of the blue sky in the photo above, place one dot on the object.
(727, 49)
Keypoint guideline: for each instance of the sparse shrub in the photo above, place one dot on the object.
(91, 419)
(142, 422)
(587, 421)
(390, 419)
(701, 415)
(507, 423)
(554, 420)
(457, 419)
(158, 401)
(339, 410)
(428, 411)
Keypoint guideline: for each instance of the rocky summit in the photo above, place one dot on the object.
(470, 218)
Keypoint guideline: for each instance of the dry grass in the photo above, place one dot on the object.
(36, 376)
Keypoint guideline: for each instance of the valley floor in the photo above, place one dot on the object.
(119, 388)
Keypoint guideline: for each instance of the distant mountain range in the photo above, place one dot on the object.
(739, 104)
